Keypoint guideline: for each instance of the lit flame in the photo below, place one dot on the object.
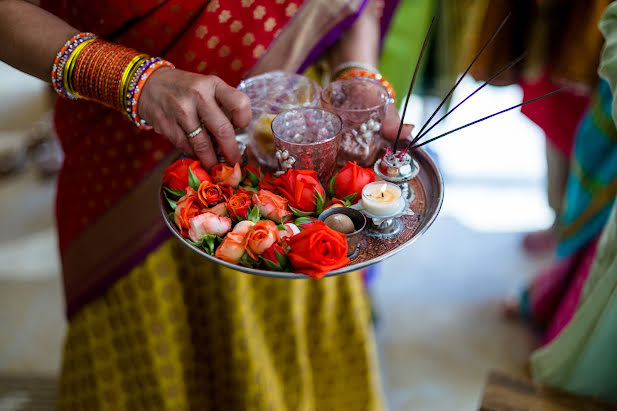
(383, 189)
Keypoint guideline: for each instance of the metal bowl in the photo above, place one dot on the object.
(429, 188)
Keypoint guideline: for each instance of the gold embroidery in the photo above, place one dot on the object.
(214, 40)
(201, 66)
(224, 16)
(248, 39)
(270, 24)
(236, 65)
(259, 12)
(213, 5)
(291, 10)
(259, 51)
(201, 32)
(235, 26)
(247, 3)
(224, 52)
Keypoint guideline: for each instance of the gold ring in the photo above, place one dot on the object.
(194, 132)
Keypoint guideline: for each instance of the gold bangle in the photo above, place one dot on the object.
(67, 75)
(127, 75)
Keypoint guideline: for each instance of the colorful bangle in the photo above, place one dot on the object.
(371, 75)
(338, 70)
(111, 74)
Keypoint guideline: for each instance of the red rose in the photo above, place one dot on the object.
(318, 250)
(177, 175)
(350, 180)
(266, 183)
(209, 194)
(305, 222)
(226, 190)
(301, 188)
(238, 206)
(222, 173)
(275, 258)
(246, 190)
(187, 207)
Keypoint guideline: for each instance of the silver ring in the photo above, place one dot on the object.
(194, 132)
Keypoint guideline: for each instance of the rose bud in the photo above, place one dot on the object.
(302, 189)
(262, 235)
(232, 248)
(226, 190)
(209, 194)
(222, 173)
(289, 231)
(349, 182)
(176, 176)
(187, 207)
(243, 227)
(275, 257)
(238, 206)
(271, 206)
(208, 224)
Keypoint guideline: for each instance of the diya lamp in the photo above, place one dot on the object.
(383, 204)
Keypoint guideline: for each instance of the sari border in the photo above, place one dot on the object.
(97, 257)
(303, 33)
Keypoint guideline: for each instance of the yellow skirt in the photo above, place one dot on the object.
(181, 333)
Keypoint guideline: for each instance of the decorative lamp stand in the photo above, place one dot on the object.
(399, 169)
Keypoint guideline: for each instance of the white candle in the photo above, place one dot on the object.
(382, 198)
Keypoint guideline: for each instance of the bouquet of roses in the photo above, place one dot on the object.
(246, 217)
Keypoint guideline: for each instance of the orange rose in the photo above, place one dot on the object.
(187, 207)
(318, 250)
(222, 173)
(271, 206)
(243, 227)
(209, 194)
(232, 248)
(238, 205)
(301, 188)
(208, 224)
(262, 235)
(176, 175)
(226, 190)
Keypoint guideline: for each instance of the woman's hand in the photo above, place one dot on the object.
(176, 103)
(390, 125)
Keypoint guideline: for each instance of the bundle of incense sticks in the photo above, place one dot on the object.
(415, 142)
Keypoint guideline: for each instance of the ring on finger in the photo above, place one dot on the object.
(194, 133)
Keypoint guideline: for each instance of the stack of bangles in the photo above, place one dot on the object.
(354, 69)
(93, 69)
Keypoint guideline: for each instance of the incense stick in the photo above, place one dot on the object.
(484, 118)
(415, 140)
(413, 80)
(493, 77)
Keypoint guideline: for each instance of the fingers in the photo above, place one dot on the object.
(199, 143)
(221, 129)
(235, 102)
(391, 123)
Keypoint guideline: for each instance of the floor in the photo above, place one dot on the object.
(439, 327)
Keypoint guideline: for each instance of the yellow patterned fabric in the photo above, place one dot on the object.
(179, 332)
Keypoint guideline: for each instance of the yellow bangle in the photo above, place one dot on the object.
(127, 75)
(67, 75)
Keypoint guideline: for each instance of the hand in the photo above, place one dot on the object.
(176, 102)
(390, 125)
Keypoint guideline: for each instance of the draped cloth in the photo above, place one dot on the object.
(152, 325)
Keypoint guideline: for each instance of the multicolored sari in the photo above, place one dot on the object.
(151, 324)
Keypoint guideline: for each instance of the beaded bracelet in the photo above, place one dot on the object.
(372, 75)
(111, 74)
(338, 70)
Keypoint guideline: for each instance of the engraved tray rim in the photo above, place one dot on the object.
(429, 178)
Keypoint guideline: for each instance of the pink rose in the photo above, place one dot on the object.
(289, 231)
(232, 248)
(208, 223)
(222, 173)
(219, 209)
(262, 235)
(271, 206)
(243, 227)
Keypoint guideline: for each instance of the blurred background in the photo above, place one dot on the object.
(439, 320)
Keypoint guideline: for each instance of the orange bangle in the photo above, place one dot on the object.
(369, 74)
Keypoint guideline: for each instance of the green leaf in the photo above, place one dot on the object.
(170, 215)
(281, 227)
(199, 244)
(193, 180)
(208, 243)
(301, 221)
(247, 261)
(176, 193)
(253, 215)
(331, 188)
(350, 198)
(172, 203)
(282, 259)
(248, 188)
(253, 178)
(320, 201)
(299, 213)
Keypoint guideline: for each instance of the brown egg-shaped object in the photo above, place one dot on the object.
(341, 223)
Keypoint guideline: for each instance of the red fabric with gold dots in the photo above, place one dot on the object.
(105, 155)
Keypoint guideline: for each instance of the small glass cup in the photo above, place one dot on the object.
(271, 93)
(307, 139)
(361, 103)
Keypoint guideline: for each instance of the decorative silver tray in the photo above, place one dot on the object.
(428, 186)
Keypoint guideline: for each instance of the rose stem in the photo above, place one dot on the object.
(485, 118)
(493, 77)
(415, 140)
(413, 80)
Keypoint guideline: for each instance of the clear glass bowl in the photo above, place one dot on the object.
(272, 93)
